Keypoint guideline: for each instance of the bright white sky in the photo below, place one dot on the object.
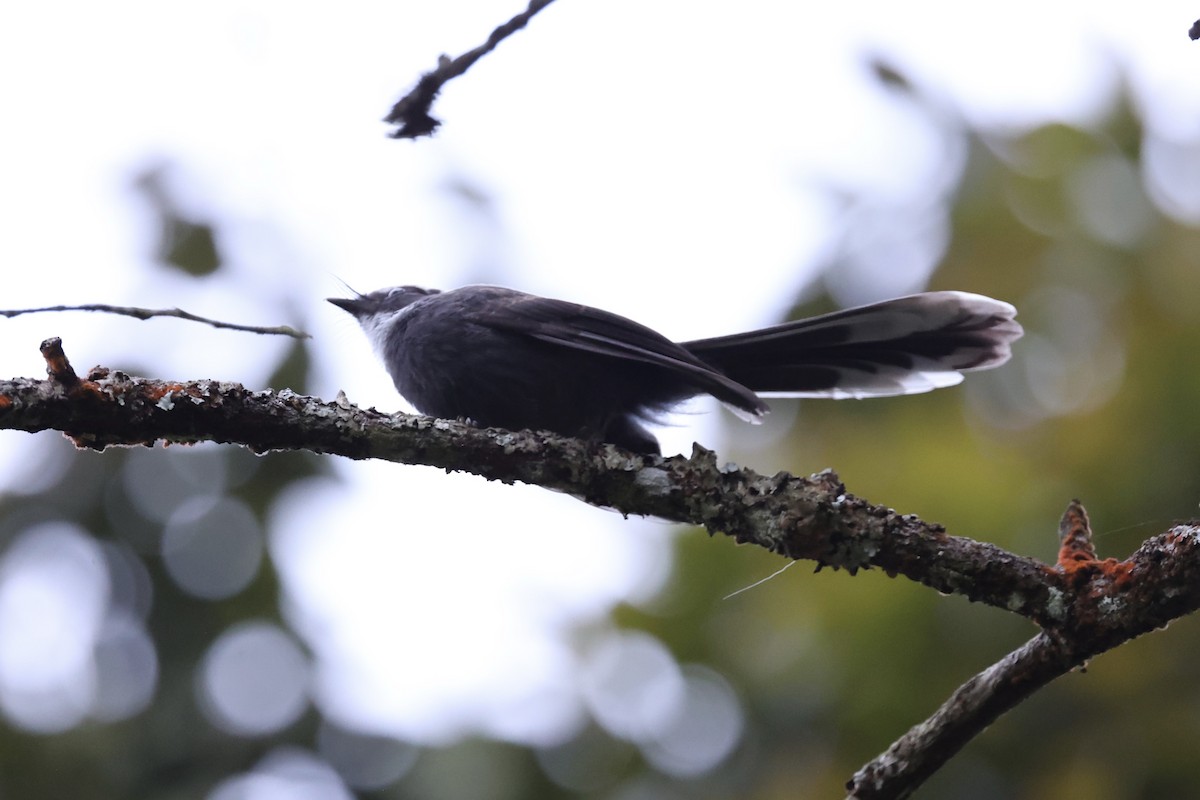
(663, 160)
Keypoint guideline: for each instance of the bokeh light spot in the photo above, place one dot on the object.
(365, 761)
(632, 685)
(53, 595)
(287, 773)
(706, 730)
(212, 548)
(158, 481)
(254, 680)
(126, 669)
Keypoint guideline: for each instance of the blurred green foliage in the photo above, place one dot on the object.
(183, 243)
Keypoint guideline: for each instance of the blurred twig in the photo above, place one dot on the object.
(411, 112)
(147, 313)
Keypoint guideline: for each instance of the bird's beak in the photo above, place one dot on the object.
(351, 305)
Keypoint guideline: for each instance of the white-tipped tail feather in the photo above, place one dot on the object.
(904, 346)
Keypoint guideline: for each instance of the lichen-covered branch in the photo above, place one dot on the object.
(1103, 604)
(801, 518)
(812, 518)
(1084, 605)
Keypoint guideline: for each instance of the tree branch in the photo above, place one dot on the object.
(1105, 604)
(975, 705)
(411, 112)
(1084, 605)
(801, 518)
(147, 313)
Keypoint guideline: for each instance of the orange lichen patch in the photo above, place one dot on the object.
(1075, 533)
(1070, 555)
(58, 365)
(5, 402)
(160, 391)
(1109, 574)
(1077, 571)
(1119, 572)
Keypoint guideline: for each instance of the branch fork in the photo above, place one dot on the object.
(1083, 604)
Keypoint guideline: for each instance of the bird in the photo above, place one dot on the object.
(502, 358)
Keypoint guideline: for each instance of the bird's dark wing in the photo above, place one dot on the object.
(591, 330)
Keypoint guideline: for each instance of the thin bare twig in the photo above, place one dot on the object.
(975, 705)
(147, 313)
(411, 112)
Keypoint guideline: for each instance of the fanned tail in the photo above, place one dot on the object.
(902, 346)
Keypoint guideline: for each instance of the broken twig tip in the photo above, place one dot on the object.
(57, 365)
(1075, 536)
